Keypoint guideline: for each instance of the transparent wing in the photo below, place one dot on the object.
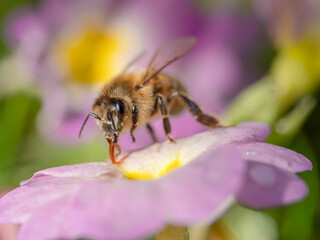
(166, 54)
(128, 68)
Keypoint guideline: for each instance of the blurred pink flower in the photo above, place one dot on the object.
(72, 47)
(287, 20)
(196, 179)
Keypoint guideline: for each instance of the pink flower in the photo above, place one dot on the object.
(196, 179)
(289, 20)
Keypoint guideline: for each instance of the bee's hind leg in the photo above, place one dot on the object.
(196, 112)
(165, 117)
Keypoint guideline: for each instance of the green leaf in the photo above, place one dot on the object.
(17, 115)
(287, 127)
(298, 219)
(258, 102)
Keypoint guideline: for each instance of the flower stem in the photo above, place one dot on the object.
(173, 233)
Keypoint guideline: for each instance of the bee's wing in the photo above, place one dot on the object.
(133, 62)
(166, 54)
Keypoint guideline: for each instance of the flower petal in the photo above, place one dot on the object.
(47, 186)
(202, 186)
(269, 186)
(23, 26)
(90, 170)
(260, 131)
(18, 205)
(103, 209)
(277, 156)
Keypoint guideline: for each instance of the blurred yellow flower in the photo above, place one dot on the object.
(296, 69)
(92, 54)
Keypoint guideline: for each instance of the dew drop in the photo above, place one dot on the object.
(251, 153)
(262, 175)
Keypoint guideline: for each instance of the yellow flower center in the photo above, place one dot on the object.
(150, 173)
(92, 54)
(159, 159)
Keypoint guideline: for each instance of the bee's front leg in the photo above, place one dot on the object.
(118, 148)
(135, 118)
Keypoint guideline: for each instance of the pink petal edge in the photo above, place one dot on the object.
(267, 186)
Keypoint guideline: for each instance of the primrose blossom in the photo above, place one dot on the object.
(194, 180)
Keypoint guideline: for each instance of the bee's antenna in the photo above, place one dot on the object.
(85, 121)
(113, 125)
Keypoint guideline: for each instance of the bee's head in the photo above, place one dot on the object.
(110, 115)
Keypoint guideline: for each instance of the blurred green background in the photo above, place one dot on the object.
(284, 93)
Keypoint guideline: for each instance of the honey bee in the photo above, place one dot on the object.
(133, 100)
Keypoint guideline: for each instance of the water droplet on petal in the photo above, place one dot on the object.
(262, 175)
(251, 153)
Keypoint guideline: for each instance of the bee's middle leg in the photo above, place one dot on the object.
(165, 117)
(150, 129)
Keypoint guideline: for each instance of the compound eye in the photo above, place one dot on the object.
(120, 107)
